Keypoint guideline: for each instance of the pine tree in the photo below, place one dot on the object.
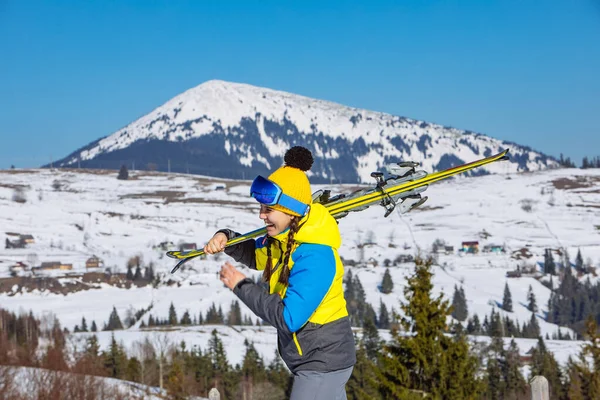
(123, 173)
(549, 265)
(531, 302)
(579, 261)
(149, 273)
(371, 339)
(425, 360)
(253, 370)
(474, 326)
(115, 360)
(384, 316)
(138, 274)
(387, 285)
(459, 305)
(362, 385)
(278, 375)
(114, 322)
(129, 274)
(219, 360)
(507, 299)
(543, 363)
(84, 327)
(172, 315)
(94, 328)
(515, 384)
(186, 319)
(235, 314)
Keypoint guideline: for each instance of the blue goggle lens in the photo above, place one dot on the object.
(265, 191)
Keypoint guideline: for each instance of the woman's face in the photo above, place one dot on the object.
(275, 220)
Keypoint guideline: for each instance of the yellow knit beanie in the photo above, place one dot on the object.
(292, 179)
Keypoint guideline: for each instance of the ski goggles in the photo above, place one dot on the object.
(269, 193)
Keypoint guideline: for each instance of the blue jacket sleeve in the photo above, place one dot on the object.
(310, 280)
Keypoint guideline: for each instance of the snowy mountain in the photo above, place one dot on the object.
(74, 214)
(233, 130)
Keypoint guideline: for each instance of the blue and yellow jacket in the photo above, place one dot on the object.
(309, 312)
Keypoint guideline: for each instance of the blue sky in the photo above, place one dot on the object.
(525, 71)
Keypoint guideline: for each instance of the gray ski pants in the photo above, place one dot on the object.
(313, 385)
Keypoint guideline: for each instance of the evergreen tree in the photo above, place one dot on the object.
(138, 274)
(235, 314)
(459, 305)
(186, 319)
(219, 360)
(474, 326)
(531, 302)
(371, 339)
(115, 360)
(424, 359)
(549, 265)
(387, 285)
(543, 363)
(384, 316)
(362, 384)
(515, 384)
(507, 299)
(94, 328)
(278, 375)
(579, 262)
(129, 275)
(253, 370)
(84, 327)
(172, 315)
(114, 322)
(123, 173)
(149, 273)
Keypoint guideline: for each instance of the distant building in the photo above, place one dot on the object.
(449, 249)
(470, 247)
(28, 239)
(188, 246)
(165, 246)
(55, 265)
(17, 241)
(493, 248)
(19, 267)
(94, 262)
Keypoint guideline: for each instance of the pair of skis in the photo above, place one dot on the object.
(399, 186)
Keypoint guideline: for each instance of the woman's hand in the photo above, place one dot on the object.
(216, 244)
(230, 276)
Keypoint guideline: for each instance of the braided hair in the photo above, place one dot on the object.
(285, 271)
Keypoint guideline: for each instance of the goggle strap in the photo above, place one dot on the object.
(292, 204)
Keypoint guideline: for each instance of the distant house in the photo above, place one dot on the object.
(18, 241)
(28, 239)
(493, 248)
(94, 262)
(188, 246)
(55, 265)
(449, 249)
(165, 246)
(403, 258)
(470, 247)
(19, 267)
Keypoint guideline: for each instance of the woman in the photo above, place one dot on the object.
(299, 260)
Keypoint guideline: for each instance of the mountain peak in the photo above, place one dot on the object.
(228, 129)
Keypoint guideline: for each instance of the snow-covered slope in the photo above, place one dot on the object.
(92, 212)
(228, 129)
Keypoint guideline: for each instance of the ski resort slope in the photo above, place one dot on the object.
(74, 214)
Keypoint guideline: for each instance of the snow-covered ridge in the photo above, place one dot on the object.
(255, 126)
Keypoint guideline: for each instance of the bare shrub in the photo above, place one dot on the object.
(527, 205)
(19, 195)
